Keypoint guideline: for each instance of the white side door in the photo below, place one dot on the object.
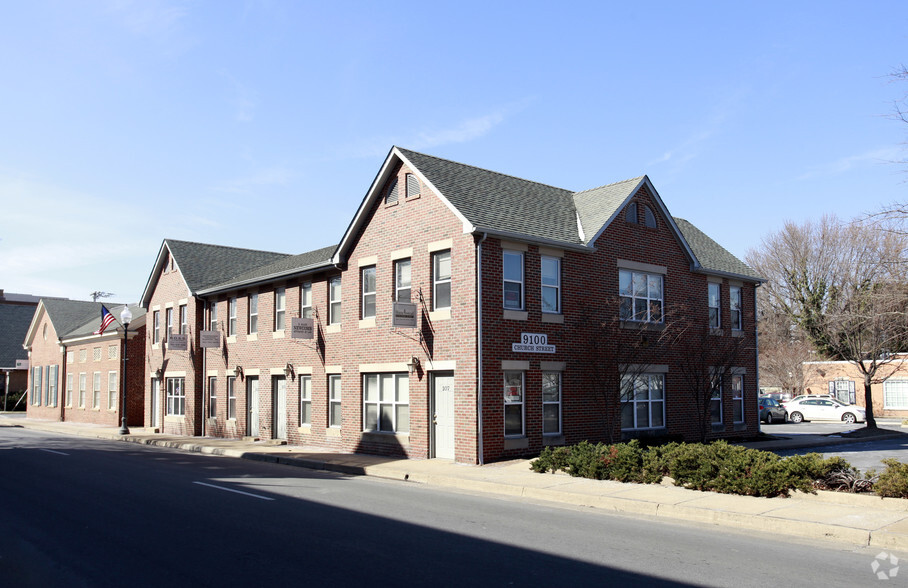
(252, 406)
(279, 408)
(443, 415)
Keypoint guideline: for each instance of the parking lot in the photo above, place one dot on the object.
(864, 455)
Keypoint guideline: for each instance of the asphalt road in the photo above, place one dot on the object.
(864, 455)
(85, 512)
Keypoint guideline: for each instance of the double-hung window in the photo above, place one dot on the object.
(157, 327)
(253, 323)
(52, 372)
(83, 378)
(513, 404)
(306, 300)
(334, 401)
(280, 308)
(402, 281)
(734, 301)
(213, 317)
(231, 316)
(714, 302)
(715, 403)
(737, 397)
(643, 401)
(212, 397)
(305, 400)
(334, 301)
(512, 274)
(176, 397)
(641, 296)
(112, 390)
(37, 372)
(551, 403)
(231, 397)
(551, 284)
(96, 390)
(68, 399)
(441, 280)
(168, 322)
(368, 300)
(184, 320)
(386, 403)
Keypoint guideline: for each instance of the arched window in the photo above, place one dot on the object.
(649, 219)
(630, 213)
(412, 186)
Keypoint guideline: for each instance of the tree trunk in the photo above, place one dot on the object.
(868, 403)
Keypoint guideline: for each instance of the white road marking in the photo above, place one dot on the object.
(232, 490)
(52, 451)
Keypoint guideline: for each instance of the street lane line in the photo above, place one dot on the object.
(52, 451)
(232, 490)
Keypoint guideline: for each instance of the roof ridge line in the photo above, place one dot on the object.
(497, 173)
(225, 246)
(611, 184)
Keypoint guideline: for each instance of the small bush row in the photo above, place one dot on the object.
(718, 467)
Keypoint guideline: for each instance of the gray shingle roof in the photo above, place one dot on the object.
(203, 265)
(285, 266)
(496, 202)
(712, 256)
(69, 315)
(14, 322)
(92, 324)
(598, 205)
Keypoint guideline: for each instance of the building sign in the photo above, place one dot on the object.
(533, 343)
(403, 315)
(302, 328)
(178, 342)
(210, 339)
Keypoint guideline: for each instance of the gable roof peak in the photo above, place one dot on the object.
(635, 181)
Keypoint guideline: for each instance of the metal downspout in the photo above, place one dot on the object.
(479, 407)
(204, 373)
(757, 358)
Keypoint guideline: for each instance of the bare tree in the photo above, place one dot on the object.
(784, 350)
(843, 284)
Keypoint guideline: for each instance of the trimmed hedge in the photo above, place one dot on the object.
(717, 466)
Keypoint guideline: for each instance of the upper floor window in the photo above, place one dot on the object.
(412, 186)
(402, 281)
(441, 280)
(649, 219)
(551, 284)
(213, 317)
(112, 351)
(734, 300)
(630, 213)
(334, 300)
(391, 194)
(280, 301)
(157, 327)
(714, 306)
(184, 320)
(641, 296)
(168, 320)
(253, 313)
(306, 300)
(96, 354)
(368, 281)
(512, 274)
(231, 316)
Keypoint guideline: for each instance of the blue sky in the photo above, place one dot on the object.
(261, 124)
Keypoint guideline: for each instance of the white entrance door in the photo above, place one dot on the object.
(279, 408)
(155, 403)
(443, 415)
(252, 406)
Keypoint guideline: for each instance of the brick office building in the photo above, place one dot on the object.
(531, 304)
(76, 375)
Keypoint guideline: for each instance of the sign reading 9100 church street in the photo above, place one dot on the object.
(533, 343)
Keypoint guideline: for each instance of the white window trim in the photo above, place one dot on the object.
(887, 391)
(335, 385)
(649, 401)
(367, 295)
(397, 280)
(736, 292)
(280, 308)
(231, 316)
(718, 303)
(521, 282)
(633, 298)
(436, 281)
(305, 384)
(394, 403)
(252, 312)
(306, 300)
(737, 397)
(334, 317)
(549, 403)
(112, 384)
(556, 287)
(521, 403)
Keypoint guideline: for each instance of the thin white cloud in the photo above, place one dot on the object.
(851, 162)
(243, 98)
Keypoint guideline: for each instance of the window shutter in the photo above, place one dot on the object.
(391, 196)
(832, 389)
(412, 186)
(851, 395)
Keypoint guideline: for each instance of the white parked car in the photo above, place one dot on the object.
(813, 408)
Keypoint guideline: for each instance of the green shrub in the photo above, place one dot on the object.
(893, 482)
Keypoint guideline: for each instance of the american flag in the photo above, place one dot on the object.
(106, 319)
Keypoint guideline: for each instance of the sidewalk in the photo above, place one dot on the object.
(860, 520)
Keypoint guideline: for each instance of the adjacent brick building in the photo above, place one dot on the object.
(76, 375)
(465, 314)
(845, 382)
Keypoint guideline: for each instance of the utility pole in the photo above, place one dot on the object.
(99, 294)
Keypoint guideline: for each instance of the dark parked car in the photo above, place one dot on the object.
(772, 411)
